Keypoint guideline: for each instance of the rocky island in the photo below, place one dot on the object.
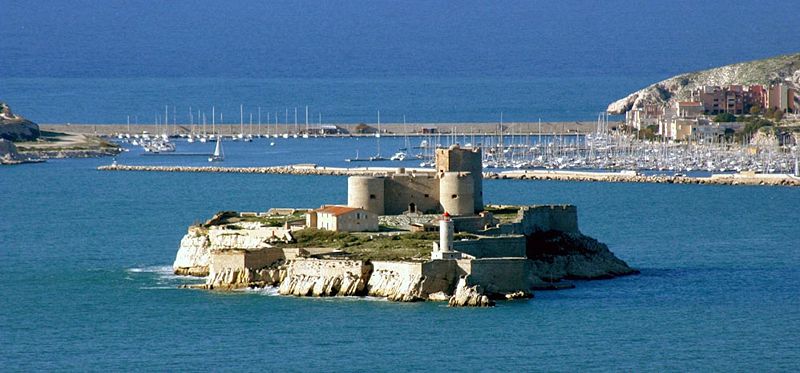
(405, 236)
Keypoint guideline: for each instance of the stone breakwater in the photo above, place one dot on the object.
(718, 179)
(609, 177)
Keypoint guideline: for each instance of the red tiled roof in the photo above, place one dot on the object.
(336, 210)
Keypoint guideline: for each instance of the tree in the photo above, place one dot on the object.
(753, 126)
(725, 117)
(755, 109)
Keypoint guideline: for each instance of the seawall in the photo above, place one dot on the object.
(609, 177)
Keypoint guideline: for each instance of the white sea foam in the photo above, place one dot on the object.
(152, 269)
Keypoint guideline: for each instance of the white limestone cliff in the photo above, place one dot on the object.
(196, 246)
(310, 277)
(396, 286)
(193, 255)
(237, 278)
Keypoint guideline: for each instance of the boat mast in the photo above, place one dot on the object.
(379, 133)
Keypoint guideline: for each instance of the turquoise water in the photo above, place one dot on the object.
(86, 283)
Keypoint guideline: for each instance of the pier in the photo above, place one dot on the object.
(609, 177)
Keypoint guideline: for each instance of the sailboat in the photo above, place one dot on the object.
(378, 157)
(218, 155)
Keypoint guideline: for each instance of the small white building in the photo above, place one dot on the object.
(342, 219)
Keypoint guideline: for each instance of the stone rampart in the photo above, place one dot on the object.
(537, 218)
(493, 247)
(497, 275)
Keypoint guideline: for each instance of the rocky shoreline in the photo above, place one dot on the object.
(70, 153)
(610, 177)
(552, 257)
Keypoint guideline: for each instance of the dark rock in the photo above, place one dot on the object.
(16, 128)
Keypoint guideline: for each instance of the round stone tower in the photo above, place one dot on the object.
(457, 193)
(366, 192)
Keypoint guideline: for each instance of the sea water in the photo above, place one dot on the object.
(86, 261)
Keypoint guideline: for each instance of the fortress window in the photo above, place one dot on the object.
(455, 196)
(371, 196)
(427, 196)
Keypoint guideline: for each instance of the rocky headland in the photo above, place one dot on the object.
(781, 69)
(30, 144)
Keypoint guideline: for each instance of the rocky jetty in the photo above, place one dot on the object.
(723, 179)
(781, 69)
(16, 128)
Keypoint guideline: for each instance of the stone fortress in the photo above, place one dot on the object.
(500, 259)
(456, 187)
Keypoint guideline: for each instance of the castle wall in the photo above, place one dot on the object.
(493, 247)
(402, 190)
(239, 259)
(456, 193)
(541, 218)
(550, 217)
(497, 275)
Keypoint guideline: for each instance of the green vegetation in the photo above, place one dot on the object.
(503, 213)
(725, 117)
(230, 217)
(773, 114)
(649, 133)
(372, 246)
(755, 124)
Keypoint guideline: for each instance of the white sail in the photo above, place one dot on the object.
(218, 153)
(218, 148)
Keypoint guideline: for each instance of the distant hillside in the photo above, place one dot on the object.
(16, 128)
(766, 71)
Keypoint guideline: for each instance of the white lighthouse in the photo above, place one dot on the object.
(443, 250)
